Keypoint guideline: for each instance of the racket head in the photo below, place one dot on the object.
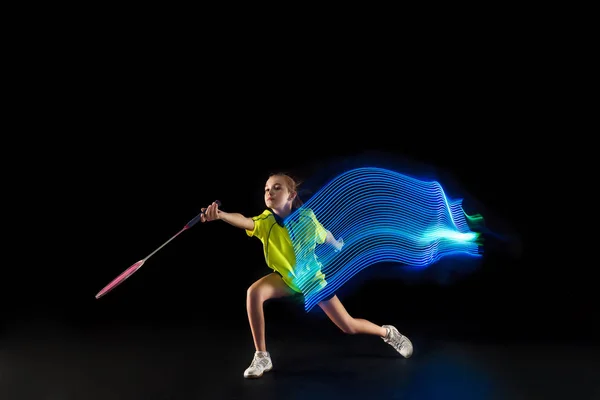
(120, 279)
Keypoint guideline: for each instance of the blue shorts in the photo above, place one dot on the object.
(325, 299)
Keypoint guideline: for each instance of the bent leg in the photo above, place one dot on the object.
(337, 313)
(268, 287)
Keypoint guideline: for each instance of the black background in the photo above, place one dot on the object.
(118, 134)
(128, 199)
(131, 160)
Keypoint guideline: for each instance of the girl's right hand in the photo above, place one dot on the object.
(339, 245)
(210, 213)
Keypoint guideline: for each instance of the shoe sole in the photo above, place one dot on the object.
(257, 376)
(411, 348)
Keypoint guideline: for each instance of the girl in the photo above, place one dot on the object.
(281, 200)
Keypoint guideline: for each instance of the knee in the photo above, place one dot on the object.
(254, 295)
(348, 327)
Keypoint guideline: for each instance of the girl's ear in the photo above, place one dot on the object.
(292, 196)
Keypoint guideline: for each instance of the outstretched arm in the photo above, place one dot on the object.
(212, 213)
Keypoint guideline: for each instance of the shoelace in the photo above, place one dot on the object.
(257, 362)
(399, 345)
(396, 342)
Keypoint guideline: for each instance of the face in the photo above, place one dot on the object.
(277, 194)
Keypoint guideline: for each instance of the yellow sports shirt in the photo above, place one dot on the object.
(279, 250)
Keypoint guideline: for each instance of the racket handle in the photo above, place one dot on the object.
(195, 220)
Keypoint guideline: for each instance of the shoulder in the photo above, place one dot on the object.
(263, 216)
(307, 213)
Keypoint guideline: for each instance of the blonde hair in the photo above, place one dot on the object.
(292, 186)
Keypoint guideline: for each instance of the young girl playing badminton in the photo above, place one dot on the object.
(281, 200)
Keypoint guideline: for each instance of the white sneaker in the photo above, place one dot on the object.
(398, 341)
(260, 363)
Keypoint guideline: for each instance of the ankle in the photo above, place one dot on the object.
(386, 333)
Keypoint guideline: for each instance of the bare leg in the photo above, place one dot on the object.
(337, 313)
(268, 287)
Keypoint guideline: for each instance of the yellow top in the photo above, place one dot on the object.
(279, 250)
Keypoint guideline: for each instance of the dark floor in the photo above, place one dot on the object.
(44, 360)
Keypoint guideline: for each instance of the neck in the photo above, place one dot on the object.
(283, 211)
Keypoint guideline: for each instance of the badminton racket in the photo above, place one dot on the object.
(131, 270)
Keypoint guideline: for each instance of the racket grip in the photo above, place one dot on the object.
(195, 220)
